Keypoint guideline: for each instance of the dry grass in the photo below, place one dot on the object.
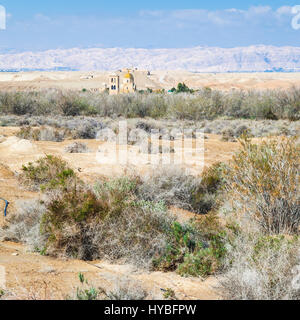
(203, 104)
(262, 261)
(263, 182)
(24, 225)
(262, 268)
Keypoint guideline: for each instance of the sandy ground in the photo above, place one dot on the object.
(39, 277)
(16, 152)
(157, 80)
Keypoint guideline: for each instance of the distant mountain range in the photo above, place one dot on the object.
(198, 59)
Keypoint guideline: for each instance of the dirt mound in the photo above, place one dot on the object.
(14, 144)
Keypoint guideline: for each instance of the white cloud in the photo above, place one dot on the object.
(260, 10)
(285, 10)
(259, 14)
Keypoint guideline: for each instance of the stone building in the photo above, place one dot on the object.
(122, 82)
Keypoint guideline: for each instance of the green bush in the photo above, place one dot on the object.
(206, 196)
(108, 222)
(47, 174)
(195, 249)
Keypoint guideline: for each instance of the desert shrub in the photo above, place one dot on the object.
(18, 103)
(122, 289)
(260, 267)
(48, 173)
(126, 289)
(24, 225)
(85, 130)
(108, 221)
(27, 133)
(169, 294)
(85, 291)
(77, 147)
(72, 104)
(112, 221)
(175, 187)
(44, 133)
(80, 222)
(241, 130)
(228, 135)
(194, 249)
(263, 181)
(288, 104)
(147, 125)
(2, 294)
(207, 196)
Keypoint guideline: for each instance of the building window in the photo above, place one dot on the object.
(112, 87)
(112, 80)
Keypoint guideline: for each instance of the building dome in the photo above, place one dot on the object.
(128, 75)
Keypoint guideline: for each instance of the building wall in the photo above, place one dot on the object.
(114, 85)
(128, 85)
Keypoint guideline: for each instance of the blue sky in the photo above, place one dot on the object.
(41, 25)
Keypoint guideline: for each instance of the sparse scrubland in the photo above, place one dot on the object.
(247, 211)
(54, 115)
(115, 219)
(262, 260)
(202, 104)
(247, 232)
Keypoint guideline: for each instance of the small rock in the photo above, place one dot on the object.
(15, 254)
